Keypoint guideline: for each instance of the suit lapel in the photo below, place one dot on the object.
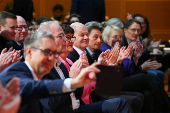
(90, 60)
(64, 70)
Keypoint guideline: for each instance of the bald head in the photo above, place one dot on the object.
(22, 29)
(81, 34)
(77, 25)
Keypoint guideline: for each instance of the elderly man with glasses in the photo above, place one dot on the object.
(21, 32)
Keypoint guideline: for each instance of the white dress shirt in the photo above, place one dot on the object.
(67, 82)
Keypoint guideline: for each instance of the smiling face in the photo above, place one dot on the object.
(82, 37)
(21, 34)
(8, 30)
(40, 63)
(132, 32)
(114, 37)
(95, 39)
(69, 44)
(57, 32)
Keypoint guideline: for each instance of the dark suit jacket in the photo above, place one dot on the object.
(3, 43)
(57, 104)
(16, 47)
(96, 53)
(73, 56)
(94, 12)
(31, 90)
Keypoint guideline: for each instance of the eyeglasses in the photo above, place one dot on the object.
(116, 37)
(69, 38)
(21, 27)
(48, 52)
(62, 37)
(134, 30)
(32, 29)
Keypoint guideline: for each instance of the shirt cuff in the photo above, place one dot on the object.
(67, 85)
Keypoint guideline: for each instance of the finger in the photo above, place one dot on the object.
(4, 51)
(10, 50)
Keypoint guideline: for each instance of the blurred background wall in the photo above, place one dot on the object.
(157, 12)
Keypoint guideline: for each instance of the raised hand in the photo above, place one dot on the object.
(9, 97)
(75, 69)
(138, 51)
(115, 51)
(124, 53)
(83, 78)
(129, 16)
(5, 59)
(154, 44)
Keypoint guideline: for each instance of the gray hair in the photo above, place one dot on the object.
(107, 32)
(45, 26)
(93, 25)
(34, 39)
(114, 21)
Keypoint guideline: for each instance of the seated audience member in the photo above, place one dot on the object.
(74, 18)
(139, 80)
(57, 12)
(132, 29)
(8, 24)
(21, 32)
(116, 22)
(59, 71)
(8, 58)
(93, 52)
(149, 44)
(40, 55)
(42, 19)
(131, 35)
(9, 97)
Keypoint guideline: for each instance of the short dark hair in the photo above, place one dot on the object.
(93, 25)
(137, 15)
(130, 22)
(4, 15)
(58, 7)
(75, 15)
(29, 23)
(43, 19)
(67, 29)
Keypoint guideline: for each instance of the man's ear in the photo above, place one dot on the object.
(29, 52)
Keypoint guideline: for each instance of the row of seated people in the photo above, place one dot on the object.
(56, 76)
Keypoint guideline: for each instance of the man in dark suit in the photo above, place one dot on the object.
(90, 10)
(21, 33)
(59, 71)
(40, 54)
(8, 24)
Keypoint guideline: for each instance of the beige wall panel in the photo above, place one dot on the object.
(113, 8)
(157, 12)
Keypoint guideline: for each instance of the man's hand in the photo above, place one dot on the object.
(129, 16)
(9, 97)
(154, 45)
(150, 65)
(78, 65)
(84, 78)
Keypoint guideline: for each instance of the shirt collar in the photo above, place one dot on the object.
(18, 43)
(32, 72)
(58, 62)
(90, 52)
(79, 51)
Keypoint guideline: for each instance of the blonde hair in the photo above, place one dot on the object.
(107, 32)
